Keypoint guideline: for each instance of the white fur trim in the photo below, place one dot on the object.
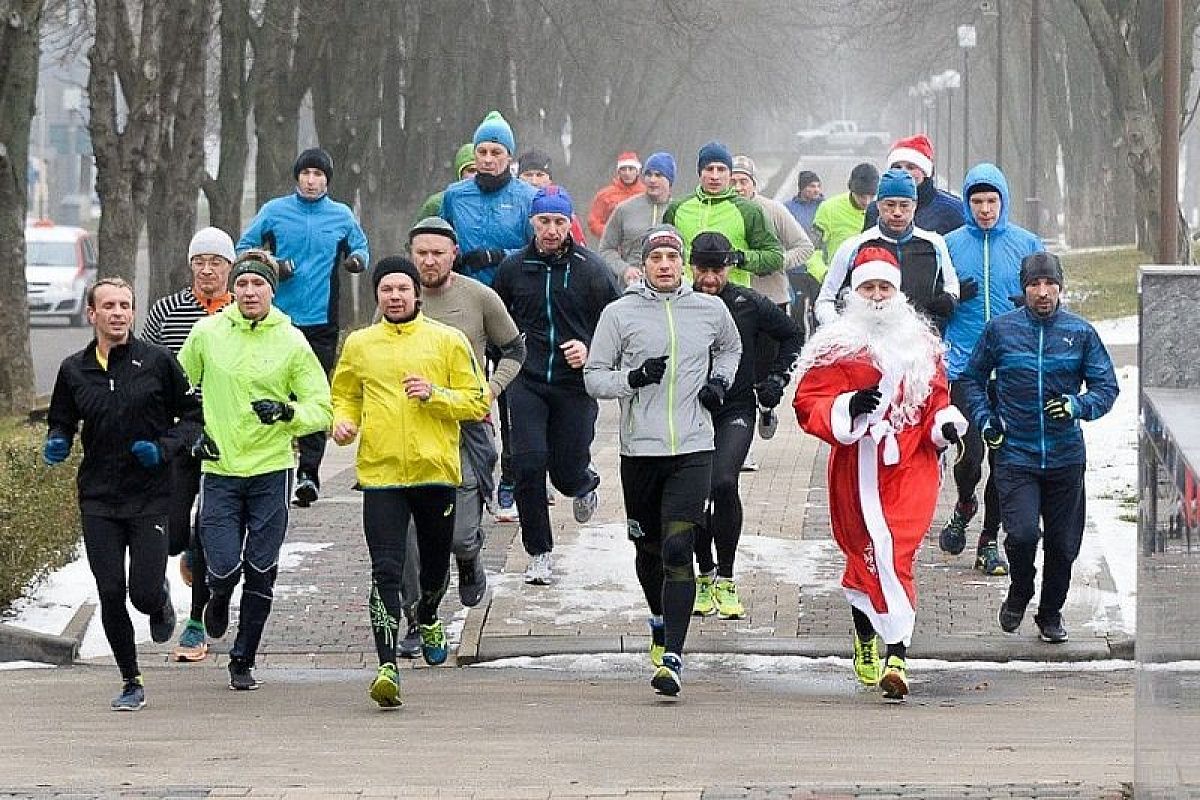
(844, 428)
(629, 162)
(874, 270)
(947, 414)
(912, 156)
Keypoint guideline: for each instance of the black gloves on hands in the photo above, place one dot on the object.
(271, 411)
(770, 391)
(712, 394)
(353, 264)
(993, 434)
(651, 371)
(205, 449)
(1060, 409)
(968, 289)
(950, 433)
(941, 305)
(864, 401)
(474, 260)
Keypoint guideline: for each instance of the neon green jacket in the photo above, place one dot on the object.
(837, 219)
(237, 362)
(741, 221)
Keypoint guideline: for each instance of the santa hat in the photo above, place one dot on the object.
(629, 159)
(915, 150)
(874, 263)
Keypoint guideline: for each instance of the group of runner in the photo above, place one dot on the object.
(681, 314)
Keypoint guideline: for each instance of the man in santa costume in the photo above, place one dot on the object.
(873, 386)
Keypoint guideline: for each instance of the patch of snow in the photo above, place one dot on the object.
(1119, 331)
(11, 665)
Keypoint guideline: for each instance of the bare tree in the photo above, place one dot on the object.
(224, 191)
(20, 22)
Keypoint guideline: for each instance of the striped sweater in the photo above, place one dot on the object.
(171, 319)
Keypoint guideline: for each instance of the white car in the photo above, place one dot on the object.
(60, 266)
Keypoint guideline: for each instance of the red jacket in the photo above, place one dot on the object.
(606, 200)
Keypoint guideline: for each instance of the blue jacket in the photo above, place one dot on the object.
(804, 211)
(937, 211)
(993, 259)
(1035, 359)
(494, 220)
(315, 235)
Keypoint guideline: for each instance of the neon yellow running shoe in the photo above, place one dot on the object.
(385, 689)
(704, 604)
(658, 642)
(725, 595)
(895, 679)
(866, 661)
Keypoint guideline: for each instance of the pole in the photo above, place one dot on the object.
(1032, 203)
(966, 142)
(1000, 83)
(949, 133)
(1168, 232)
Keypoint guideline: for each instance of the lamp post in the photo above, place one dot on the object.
(966, 40)
(1032, 203)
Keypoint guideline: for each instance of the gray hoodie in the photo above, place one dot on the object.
(694, 330)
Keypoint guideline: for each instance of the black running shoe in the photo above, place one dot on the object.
(472, 582)
(1052, 632)
(306, 491)
(410, 645)
(162, 622)
(216, 615)
(241, 676)
(132, 696)
(1009, 618)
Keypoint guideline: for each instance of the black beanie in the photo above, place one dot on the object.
(864, 179)
(533, 160)
(393, 264)
(315, 158)
(1041, 265)
(806, 177)
(711, 249)
(981, 187)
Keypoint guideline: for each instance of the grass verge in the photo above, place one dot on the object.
(1102, 281)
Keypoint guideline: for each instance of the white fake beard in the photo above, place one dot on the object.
(897, 340)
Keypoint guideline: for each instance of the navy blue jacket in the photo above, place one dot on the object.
(1035, 359)
(937, 211)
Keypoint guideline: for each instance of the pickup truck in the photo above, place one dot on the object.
(842, 135)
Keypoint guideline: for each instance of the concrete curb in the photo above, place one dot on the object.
(21, 644)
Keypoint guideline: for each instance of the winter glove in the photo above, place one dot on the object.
(56, 450)
(712, 394)
(941, 305)
(287, 268)
(474, 260)
(651, 371)
(1061, 408)
(353, 264)
(993, 433)
(205, 449)
(271, 411)
(739, 259)
(950, 433)
(148, 454)
(864, 401)
(968, 289)
(770, 391)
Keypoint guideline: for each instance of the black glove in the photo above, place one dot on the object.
(864, 401)
(651, 371)
(940, 305)
(950, 433)
(286, 269)
(482, 257)
(712, 394)
(1060, 409)
(770, 391)
(271, 411)
(993, 433)
(968, 290)
(205, 449)
(353, 264)
(739, 259)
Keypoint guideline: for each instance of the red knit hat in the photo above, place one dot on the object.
(629, 159)
(874, 263)
(916, 150)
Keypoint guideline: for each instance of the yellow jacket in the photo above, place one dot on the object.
(404, 441)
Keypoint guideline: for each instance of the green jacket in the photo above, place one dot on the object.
(837, 220)
(237, 362)
(741, 221)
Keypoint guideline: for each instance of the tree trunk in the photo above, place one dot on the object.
(18, 90)
(224, 192)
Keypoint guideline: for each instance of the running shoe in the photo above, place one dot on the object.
(306, 491)
(658, 641)
(867, 666)
(216, 615)
(1052, 632)
(241, 676)
(506, 504)
(539, 570)
(768, 422)
(192, 644)
(1009, 617)
(894, 681)
(472, 582)
(162, 622)
(989, 561)
(954, 535)
(385, 689)
(704, 605)
(433, 643)
(410, 645)
(666, 678)
(584, 506)
(725, 596)
(132, 696)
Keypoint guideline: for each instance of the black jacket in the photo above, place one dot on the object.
(143, 395)
(756, 316)
(553, 299)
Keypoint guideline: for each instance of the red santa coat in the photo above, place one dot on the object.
(883, 485)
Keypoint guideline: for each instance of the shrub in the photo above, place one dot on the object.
(39, 512)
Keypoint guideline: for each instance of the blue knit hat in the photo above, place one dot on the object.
(551, 199)
(896, 183)
(495, 128)
(714, 151)
(661, 162)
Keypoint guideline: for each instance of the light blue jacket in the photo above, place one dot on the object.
(993, 259)
(498, 219)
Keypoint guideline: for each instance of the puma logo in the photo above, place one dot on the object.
(1070, 340)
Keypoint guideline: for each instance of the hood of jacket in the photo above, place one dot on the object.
(643, 288)
(989, 174)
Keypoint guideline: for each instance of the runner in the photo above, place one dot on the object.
(621, 245)
(624, 185)
(872, 386)
(670, 355)
(405, 383)
(137, 417)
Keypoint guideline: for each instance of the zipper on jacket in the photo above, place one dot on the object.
(1041, 390)
(673, 361)
(550, 320)
(987, 276)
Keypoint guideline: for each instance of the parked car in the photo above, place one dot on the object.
(842, 135)
(60, 266)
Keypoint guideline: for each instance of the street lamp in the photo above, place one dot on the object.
(947, 82)
(966, 40)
